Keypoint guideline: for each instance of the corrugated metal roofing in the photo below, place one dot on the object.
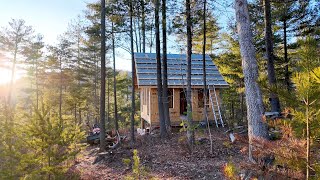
(146, 70)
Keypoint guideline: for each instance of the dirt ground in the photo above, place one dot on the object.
(170, 159)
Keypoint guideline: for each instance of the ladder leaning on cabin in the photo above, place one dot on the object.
(215, 105)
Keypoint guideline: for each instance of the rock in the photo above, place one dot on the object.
(232, 137)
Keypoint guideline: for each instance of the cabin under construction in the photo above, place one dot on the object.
(146, 83)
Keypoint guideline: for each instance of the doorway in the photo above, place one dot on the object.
(183, 102)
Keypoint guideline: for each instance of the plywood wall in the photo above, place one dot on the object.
(149, 106)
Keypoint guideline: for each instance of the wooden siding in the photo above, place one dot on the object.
(149, 106)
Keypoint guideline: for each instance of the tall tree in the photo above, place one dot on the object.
(13, 40)
(256, 127)
(205, 112)
(60, 56)
(114, 80)
(307, 81)
(163, 131)
(143, 25)
(274, 99)
(165, 67)
(133, 107)
(103, 77)
(190, 132)
(34, 54)
(204, 60)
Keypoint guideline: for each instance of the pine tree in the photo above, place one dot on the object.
(103, 77)
(165, 68)
(274, 100)
(133, 107)
(190, 131)
(163, 131)
(13, 39)
(308, 92)
(256, 127)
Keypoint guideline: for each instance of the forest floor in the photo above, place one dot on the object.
(170, 159)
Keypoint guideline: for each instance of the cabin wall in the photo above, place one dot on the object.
(198, 112)
(145, 103)
(153, 117)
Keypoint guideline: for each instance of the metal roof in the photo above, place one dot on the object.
(146, 70)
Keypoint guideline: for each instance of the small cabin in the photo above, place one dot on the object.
(146, 83)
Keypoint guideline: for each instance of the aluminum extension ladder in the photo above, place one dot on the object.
(215, 105)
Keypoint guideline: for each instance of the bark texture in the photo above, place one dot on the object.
(165, 67)
(257, 128)
(143, 26)
(114, 81)
(285, 45)
(163, 131)
(133, 106)
(204, 61)
(205, 73)
(103, 77)
(190, 132)
(274, 99)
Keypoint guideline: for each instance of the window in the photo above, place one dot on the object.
(170, 98)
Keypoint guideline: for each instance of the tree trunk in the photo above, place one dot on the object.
(139, 27)
(114, 81)
(151, 40)
(165, 68)
(60, 90)
(103, 77)
(95, 91)
(143, 27)
(133, 74)
(190, 132)
(108, 104)
(274, 99)
(286, 60)
(307, 103)
(257, 128)
(242, 106)
(136, 35)
(12, 74)
(205, 112)
(37, 86)
(308, 139)
(75, 113)
(163, 131)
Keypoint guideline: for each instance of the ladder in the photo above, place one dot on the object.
(215, 105)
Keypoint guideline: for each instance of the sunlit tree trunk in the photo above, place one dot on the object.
(13, 69)
(257, 128)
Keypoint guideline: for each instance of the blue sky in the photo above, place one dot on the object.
(48, 17)
(51, 17)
